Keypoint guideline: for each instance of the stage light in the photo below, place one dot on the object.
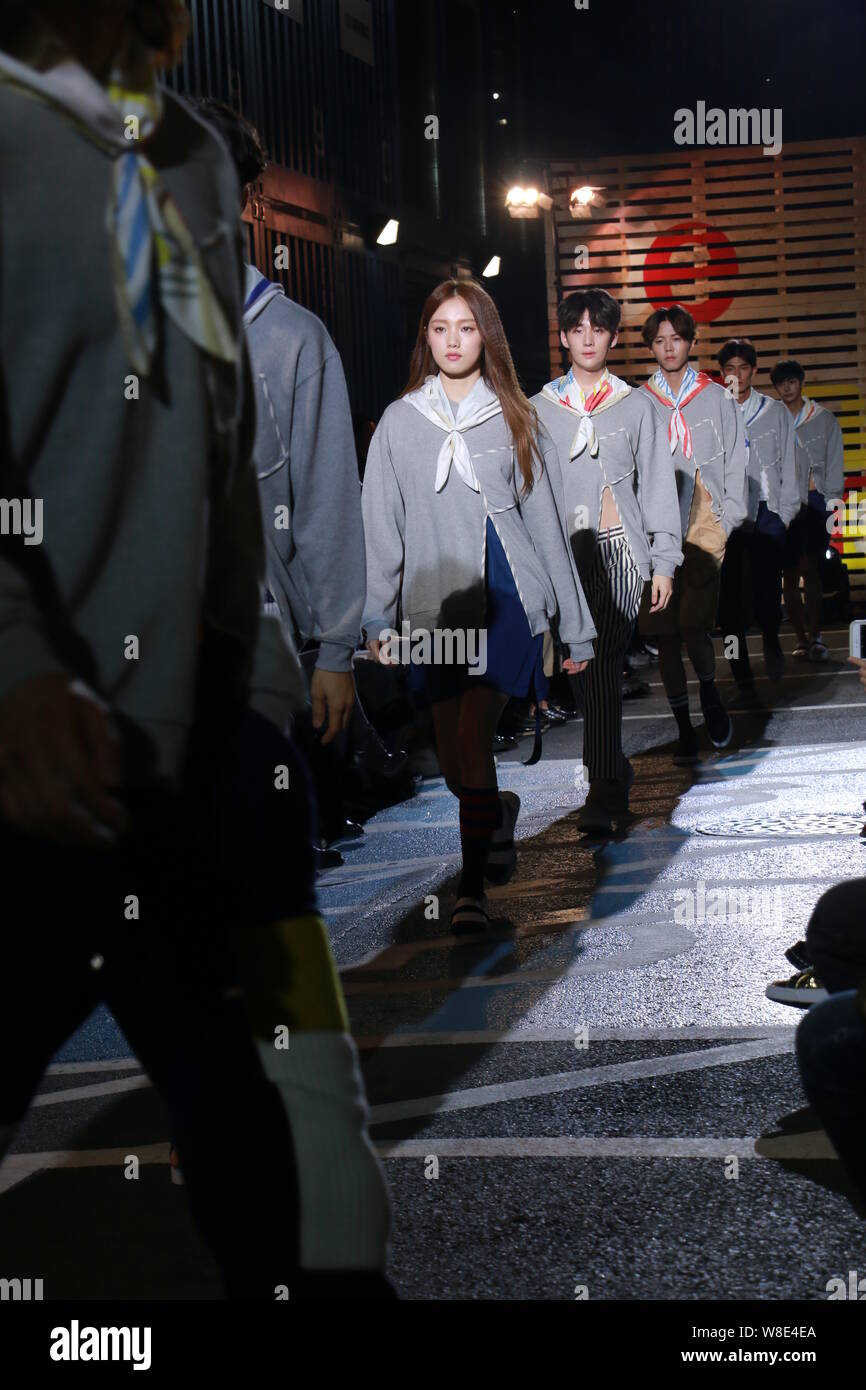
(525, 202)
(388, 234)
(584, 199)
(491, 268)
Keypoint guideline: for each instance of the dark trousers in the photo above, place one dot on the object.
(831, 1040)
(191, 862)
(751, 587)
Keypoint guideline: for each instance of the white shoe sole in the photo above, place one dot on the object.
(797, 998)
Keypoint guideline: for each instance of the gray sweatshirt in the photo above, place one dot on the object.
(820, 450)
(152, 525)
(634, 461)
(308, 473)
(426, 550)
(772, 461)
(718, 450)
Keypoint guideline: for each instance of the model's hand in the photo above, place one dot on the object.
(333, 695)
(375, 650)
(574, 668)
(861, 667)
(60, 758)
(662, 591)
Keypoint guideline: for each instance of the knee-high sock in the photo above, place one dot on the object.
(293, 996)
(480, 813)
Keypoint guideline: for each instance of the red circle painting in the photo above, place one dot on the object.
(657, 267)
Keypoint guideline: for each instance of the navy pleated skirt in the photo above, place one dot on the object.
(514, 656)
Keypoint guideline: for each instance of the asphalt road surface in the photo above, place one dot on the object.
(598, 1097)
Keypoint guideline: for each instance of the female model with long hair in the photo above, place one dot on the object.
(464, 539)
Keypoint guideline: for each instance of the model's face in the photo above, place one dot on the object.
(454, 338)
(587, 345)
(738, 373)
(669, 349)
(789, 389)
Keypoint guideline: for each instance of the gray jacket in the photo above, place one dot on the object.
(426, 550)
(308, 473)
(152, 525)
(772, 462)
(718, 450)
(820, 450)
(634, 461)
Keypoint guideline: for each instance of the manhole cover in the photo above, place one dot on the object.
(793, 826)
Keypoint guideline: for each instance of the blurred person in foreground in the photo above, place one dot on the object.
(143, 702)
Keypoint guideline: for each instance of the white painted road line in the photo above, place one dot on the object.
(74, 1068)
(99, 1088)
(814, 1145)
(16, 1167)
(531, 1086)
(485, 1037)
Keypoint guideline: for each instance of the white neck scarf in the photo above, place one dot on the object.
(431, 401)
(568, 392)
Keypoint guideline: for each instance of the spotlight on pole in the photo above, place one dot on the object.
(525, 202)
(584, 199)
(388, 234)
(491, 268)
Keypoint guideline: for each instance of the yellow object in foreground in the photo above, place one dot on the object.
(289, 976)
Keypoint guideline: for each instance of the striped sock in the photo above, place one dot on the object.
(480, 815)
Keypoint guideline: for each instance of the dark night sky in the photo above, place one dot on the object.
(608, 79)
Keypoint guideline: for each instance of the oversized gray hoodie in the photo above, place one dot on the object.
(634, 461)
(771, 473)
(821, 452)
(152, 524)
(308, 473)
(718, 450)
(426, 550)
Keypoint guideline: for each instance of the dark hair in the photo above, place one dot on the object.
(243, 140)
(162, 25)
(738, 347)
(497, 367)
(679, 318)
(784, 371)
(603, 310)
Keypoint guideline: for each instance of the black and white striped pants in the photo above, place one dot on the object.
(613, 592)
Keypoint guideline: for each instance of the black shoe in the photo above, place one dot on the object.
(798, 955)
(503, 742)
(687, 748)
(349, 830)
(774, 658)
(716, 717)
(745, 698)
(327, 859)
(554, 715)
(377, 759)
(561, 712)
(634, 689)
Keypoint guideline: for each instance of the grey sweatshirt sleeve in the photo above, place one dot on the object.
(327, 536)
(544, 522)
(657, 494)
(384, 531)
(834, 478)
(276, 684)
(789, 496)
(735, 506)
(25, 649)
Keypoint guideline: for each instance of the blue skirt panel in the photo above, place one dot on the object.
(514, 656)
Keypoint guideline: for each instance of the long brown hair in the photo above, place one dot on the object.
(497, 367)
